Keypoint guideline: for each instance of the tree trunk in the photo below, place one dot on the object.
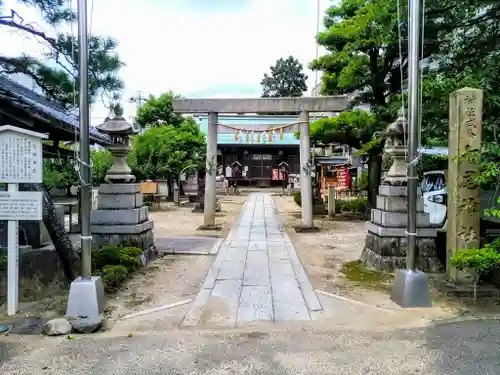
(60, 238)
(374, 175)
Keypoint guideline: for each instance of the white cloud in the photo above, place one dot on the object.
(186, 51)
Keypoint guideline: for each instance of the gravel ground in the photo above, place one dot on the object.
(463, 348)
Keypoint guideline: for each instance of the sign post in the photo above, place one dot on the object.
(21, 161)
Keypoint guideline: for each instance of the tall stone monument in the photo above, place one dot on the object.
(121, 218)
(465, 135)
(386, 241)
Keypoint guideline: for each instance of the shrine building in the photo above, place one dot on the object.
(258, 145)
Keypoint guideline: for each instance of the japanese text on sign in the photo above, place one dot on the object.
(20, 159)
(21, 205)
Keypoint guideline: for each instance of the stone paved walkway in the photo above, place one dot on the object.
(257, 274)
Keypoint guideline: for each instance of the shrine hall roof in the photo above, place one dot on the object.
(38, 107)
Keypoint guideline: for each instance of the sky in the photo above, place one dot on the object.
(196, 48)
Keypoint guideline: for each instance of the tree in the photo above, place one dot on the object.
(365, 61)
(101, 162)
(161, 152)
(59, 173)
(57, 73)
(169, 143)
(158, 111)
(286, 79)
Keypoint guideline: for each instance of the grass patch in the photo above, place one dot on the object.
(356, 271)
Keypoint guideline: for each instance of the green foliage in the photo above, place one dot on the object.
(353, 128)
(3, 263)
(169, 143)
(362, 181)
(56, 73)
(297, 198)
(165, 150)
(433, 163)
(101, 162)
(476, 262)
(354, 205)
(59, 173)
(116, 255)
(113, 276)
(115, 263)
(158, 111)
(358, 205)
(286, 79)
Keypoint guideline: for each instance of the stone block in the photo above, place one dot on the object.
(398, 232)
(397, 204)
(389, 253)
(395, 191)
(255, 304)
(119, 201)
(122, 229)
(398, 219)
(119, 188)
(119, 217)
(144, 240)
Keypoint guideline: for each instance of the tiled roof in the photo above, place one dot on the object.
(20, 96)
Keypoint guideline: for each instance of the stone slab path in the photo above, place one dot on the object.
(257, 275)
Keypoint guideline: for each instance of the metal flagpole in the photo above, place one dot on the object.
(411, 287)
(85, 193)
(86, 294)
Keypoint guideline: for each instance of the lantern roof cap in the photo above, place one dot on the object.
(116, 125)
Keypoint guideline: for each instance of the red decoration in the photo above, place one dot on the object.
(343, 179)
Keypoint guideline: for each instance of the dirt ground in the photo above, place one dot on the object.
(323, 253)
(167, 280)
(340, 240)
(180, 221)
(173, 278)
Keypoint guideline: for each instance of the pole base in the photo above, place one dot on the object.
(411, 289)
(86, 298)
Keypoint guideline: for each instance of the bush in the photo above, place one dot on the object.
(362, 181)
(113, 276)
(355, 205)
(476, 262)
(297, 198)
(115, 263)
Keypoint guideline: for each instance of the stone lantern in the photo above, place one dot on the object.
(386, 240)
(396, 148)
(120, 131)
(121, 217)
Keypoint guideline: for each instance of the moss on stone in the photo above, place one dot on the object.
(356, 271)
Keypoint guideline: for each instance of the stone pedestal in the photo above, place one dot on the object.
(121, 218)
(386, 241)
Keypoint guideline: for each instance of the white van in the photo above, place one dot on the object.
(433, 187)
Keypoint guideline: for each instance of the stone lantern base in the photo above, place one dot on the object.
(386, 240)
(121, 218)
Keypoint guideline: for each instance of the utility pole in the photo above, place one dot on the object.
(138, 99)
(86, 295)
(411, 287)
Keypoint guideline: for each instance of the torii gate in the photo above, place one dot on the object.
(303, 105)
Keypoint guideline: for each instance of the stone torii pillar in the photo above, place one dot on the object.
(305, 172)
(304, 105)
(211, 173)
